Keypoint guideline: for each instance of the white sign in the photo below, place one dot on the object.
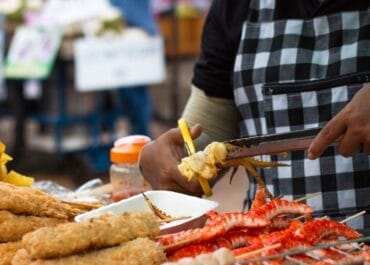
(65, 12)
(118, 62)
(32, 52)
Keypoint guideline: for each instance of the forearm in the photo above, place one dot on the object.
(218, 117)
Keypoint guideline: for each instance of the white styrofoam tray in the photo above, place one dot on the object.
(172, 203)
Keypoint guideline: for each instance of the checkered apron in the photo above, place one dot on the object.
(295, 74)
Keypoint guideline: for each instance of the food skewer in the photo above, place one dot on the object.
(353, 217)
(172, 219)
(308, 196)
(304, 250)
(84, 205)
(257, 251)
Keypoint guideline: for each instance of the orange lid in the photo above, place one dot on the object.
(128, 149)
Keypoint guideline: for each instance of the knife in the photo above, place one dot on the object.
(271, 144)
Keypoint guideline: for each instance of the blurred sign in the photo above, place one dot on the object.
(108, 63)
(65, 12)
(32, 52)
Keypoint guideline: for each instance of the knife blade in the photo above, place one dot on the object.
(271, 144)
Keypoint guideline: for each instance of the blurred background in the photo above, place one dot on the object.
(53, 125)
(79, 74)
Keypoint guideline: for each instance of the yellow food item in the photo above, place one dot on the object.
(204, 163)
(2, 148)
(189, 144)
(18, 179)
(12, 177)
(207, 164)
(5, 158)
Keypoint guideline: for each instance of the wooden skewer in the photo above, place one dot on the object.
(353, 216)
(307, 196)
(84, 205)
(257, 251)
(183, 242)
(172, 219)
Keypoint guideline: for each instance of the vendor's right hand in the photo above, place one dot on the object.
(159, 159)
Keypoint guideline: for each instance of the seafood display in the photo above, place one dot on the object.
(39, 229)
(269, 228)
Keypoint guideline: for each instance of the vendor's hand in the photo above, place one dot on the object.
(159, 159)
(351, 127)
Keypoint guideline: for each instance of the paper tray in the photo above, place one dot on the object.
(172, 203)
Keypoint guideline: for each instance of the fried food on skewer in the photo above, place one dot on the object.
(102, 231)
(30, 201)
(8, 250)
(134, 252)
(13, 227)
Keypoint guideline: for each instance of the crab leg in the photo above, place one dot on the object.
(314, 231)
(231, 240)
(259, 198)
(217, 227)
(276, 207)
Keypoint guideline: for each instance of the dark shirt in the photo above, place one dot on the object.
(213, 71)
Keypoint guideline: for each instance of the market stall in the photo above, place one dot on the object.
(41, 223)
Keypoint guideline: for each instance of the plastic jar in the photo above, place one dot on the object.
(124, 172)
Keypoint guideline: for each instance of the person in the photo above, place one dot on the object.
(135, 101)
(272, 66)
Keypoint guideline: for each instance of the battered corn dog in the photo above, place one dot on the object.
(140, 251)
(13, 227)
(30, 201)
(103, 231)
(8, 250)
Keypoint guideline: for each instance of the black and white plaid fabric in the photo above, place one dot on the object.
(296, 74)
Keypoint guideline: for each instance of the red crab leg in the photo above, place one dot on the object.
(231, 240)
(226, 222)
(260, 197)
(219, 226)
(313, 231)
(193, 250)
(280, 206)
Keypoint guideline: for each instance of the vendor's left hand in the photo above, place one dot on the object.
(351, 127)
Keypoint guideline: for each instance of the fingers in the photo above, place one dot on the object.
(349, 144)
(195, 131)
(175, 134)
(331, 132)
(184, 185)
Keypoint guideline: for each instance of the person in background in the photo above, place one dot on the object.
(135, 101)
(273, 66)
